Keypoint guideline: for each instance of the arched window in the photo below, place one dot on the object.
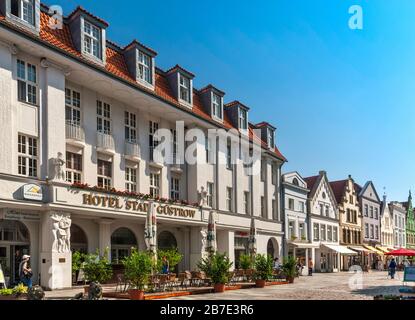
(166, 240)
(270, 249)
(295, 182)
(79, 241)
(122, 240)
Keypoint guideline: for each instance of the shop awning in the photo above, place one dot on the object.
(374, 250)
(383, 249)
(359, 249)
(340, 249)
(304, 245)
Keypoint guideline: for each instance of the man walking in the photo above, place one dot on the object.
(310, 267)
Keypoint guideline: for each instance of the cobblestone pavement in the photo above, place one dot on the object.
(321, 286)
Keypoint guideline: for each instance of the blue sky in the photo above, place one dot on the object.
(342, 100)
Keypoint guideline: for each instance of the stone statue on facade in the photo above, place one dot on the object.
(61, 233)
(202, 197)
(203, 235)
(59, 163)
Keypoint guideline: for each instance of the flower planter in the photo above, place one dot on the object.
(219, 287)
(14, 297)
(86, 290)
(136, 294)
(260, 283)
(290, 279)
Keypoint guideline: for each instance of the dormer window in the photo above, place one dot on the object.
(271, 143)
(217, 106)
(92, 40)
(144, 67)
(24, 9)
(184, 88)
(243, 119)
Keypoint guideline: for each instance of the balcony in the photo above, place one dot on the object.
(132, 150)
(75, 134)
(156, 158)
(105, 143)
(175, 167)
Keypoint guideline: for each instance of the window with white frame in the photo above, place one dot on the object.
(327, 211)
(175, 145)
(229, 197)
(301, 230)
(291, 233)
(175, 189)
(274, 209)
(271, 138)
(291, 204)
(247, 202)
(316, 232)
(217, 106)
(371, 211)
(92, 40)
(210, 193)
(329, 233)
(243, 119)
(184, 88)
(153, 143)
(301, 206)
(209, 150)
(73, 167)
(376, 213)
(366, 230)
(335, 234)
(130, 127)
(72, 107)
(131, 179)
(103, 117)
(263, 170)
(372, 231)
(104, 174)
(27, 156)
(377, 232)
(145, 67)
(323, 232)
(229, 155)
(26, 82)
(273, 175)
(366, 210)
(23, 9)
(263, 207)
(154, 185)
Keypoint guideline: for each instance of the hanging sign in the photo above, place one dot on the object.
(32, 192)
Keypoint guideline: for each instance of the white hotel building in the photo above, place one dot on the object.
(76, 108)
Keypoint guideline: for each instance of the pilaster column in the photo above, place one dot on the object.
(105, 236)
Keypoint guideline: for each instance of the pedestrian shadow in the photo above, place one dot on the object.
(373, 291)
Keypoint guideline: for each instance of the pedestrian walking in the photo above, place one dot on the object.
(392, 269)
(310, 267)
(276, 265)
(25, 272)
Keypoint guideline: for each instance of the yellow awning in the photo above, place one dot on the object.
(383, 249)
(374, 250)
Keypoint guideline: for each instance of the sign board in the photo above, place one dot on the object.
(32, 192)
(2, 279)
(409, 274)
(19, 216)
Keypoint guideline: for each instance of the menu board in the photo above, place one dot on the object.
(409, 275)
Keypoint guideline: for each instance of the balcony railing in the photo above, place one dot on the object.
(156, 156)
(132, 149)
(105, 142)
(74, 131)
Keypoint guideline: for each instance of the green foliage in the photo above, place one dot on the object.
(77, 259)
(138, 267)
(97, 268)
(289, 267)
(20, 289)
(6, 292)
(174, 257)
(245, 261)
(263, 267)
(216, 267)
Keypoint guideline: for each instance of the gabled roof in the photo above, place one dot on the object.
(313, 183)
(60, 40)
(183, 70)
(212, 87)
(264, 124)
(236, 103)
(363, 190)
(338, 188)
(81, 9)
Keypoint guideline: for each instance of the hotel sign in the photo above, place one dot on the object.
(32, 192)
(137, 206)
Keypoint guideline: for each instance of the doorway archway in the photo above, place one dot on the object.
(122, 240)
(79, 240)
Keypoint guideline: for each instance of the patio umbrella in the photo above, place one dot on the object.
(252, 239)
(211, 234)
(401, 252)
(150, 232)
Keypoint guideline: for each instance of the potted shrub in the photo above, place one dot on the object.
(245, 262)
(289, 268)
(216, 267)
(77, 261)
(263, 269)
(97, 268)
(138, 267)
(173, 256)
(17, 293)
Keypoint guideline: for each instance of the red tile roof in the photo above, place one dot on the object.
(177, 67)
(236, 103)
(311, 181)
(81, 9)
(116, 66)
(338, 188)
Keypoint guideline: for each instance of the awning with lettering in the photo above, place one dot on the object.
(383, 249)
(359, 249)
(304, 245)
(374, 250)
(340, 249)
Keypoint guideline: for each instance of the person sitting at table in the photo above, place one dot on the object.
(165, 266)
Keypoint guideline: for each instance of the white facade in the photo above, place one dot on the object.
(398, 214)
(387, 237)
(96, 151)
